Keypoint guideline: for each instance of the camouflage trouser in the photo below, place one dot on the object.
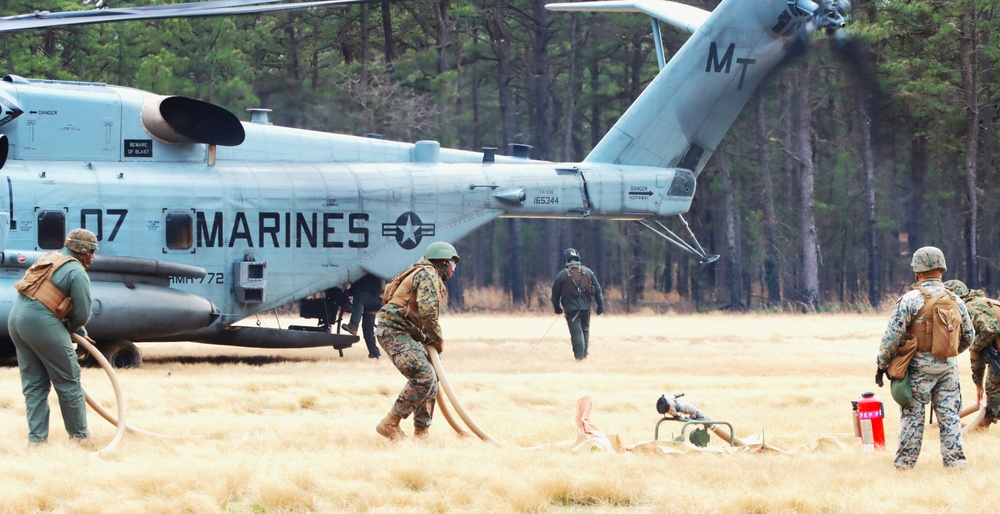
(411, 359)
(944, 394)
(991, 392)
(579, 332)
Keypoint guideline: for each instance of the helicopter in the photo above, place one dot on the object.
(204, 220)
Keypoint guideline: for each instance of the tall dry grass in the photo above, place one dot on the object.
(292, 431)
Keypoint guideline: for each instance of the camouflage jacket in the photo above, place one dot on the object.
(426, 285)
(904, 314)
(987, 331)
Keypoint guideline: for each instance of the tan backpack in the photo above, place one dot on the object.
(938, 326)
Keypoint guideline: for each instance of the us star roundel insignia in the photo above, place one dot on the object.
(408, 230)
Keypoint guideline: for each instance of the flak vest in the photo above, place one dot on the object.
(401, 292)
(37, 284)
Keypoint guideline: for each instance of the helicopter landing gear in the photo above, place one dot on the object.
(672, 238)
(121, 353)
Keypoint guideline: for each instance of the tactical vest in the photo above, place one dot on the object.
(37, 284)
(577, 282)
(938, 325)
(401, 292)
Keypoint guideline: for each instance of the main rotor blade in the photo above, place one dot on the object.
(45, 19)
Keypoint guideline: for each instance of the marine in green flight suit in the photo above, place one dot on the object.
(41, 337)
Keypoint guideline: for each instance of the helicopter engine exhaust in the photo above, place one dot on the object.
(180, 120)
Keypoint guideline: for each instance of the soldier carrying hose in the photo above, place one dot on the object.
(54, 301)
(407, 322)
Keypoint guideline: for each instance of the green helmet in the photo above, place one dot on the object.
(441, 250)
(928, 258)
(81, 240)
(570, 254)
(958, 287)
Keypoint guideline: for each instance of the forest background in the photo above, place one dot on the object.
(832, 176)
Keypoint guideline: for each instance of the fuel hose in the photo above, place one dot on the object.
(119, 397)
(453, 398)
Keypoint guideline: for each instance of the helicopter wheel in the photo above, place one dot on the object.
(122, 353)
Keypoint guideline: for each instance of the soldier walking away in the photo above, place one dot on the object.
(407, 324)
(574, 288)
(53, 301)
(985, 314)
(365, 295)
(942, 327)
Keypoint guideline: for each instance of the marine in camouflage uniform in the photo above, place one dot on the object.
(407, 323)
(576, 305)
(987, 326)
(932, 380)
(41, 337)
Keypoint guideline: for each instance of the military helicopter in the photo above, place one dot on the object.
(204, 220)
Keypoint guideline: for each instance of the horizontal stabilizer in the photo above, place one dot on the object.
(684, 17)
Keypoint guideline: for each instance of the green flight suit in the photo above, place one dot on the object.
(45, 353)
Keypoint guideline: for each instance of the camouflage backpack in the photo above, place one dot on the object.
(577, 282)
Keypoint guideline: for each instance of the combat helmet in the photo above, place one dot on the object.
(441, 250)
(81, 240)
(570, 254)
(958, 287)
(928, 258)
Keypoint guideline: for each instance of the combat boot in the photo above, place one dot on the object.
(420, 431)
(351, 329)
(389, 427)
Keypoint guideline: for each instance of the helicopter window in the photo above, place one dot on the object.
(179, 230)
(51, 229)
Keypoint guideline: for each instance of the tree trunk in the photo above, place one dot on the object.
(637, 272)
(967, 49)
(443, 34)
(916, 220)
(541, 84)
(987, 166)
(572, 89)
(868, 170)
(734, 273)
(807, 221)
(390, 44)
(772, 280)
(501, 47)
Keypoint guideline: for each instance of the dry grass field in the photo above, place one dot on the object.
(292, 431)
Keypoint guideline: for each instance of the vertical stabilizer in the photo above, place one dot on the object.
(680, 119)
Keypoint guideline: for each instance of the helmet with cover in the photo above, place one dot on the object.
(81, 241)
(958, 287)
(928, 258)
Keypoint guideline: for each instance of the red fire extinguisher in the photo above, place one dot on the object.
(870, 414)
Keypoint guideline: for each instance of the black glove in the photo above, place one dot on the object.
(558, 310)
(600, 311)
(878, 376)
